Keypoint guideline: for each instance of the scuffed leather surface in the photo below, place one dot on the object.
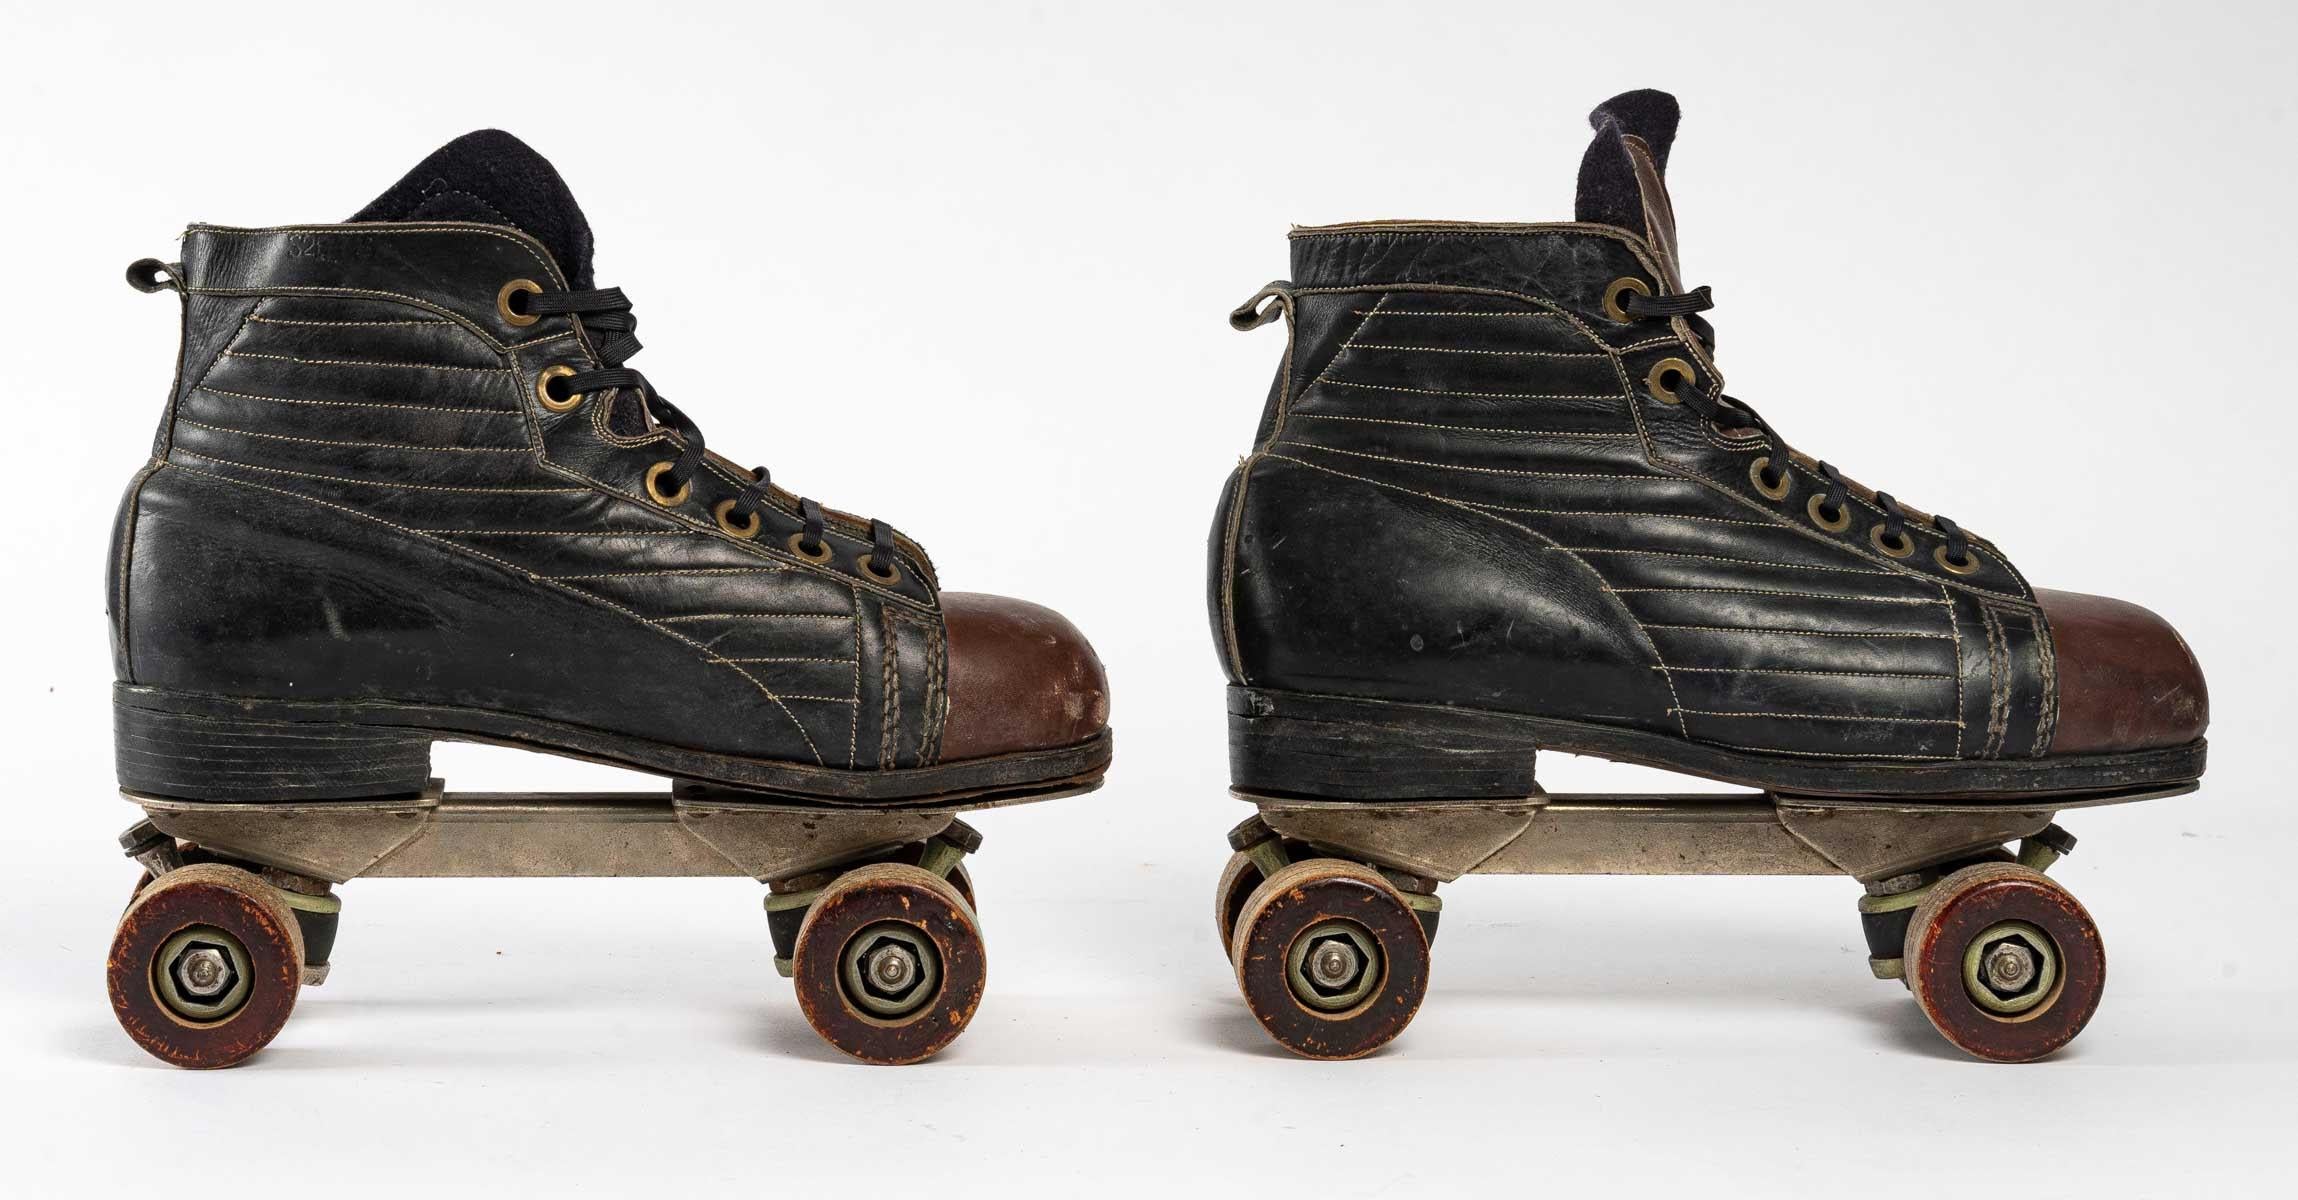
(362, 496)
(2127, 681)
(1021, 678)
(1465, 493)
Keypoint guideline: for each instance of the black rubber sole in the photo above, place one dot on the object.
(198, 747)
(1344, 748)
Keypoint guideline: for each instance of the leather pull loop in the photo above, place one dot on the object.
(1271, 302)
(152, 275)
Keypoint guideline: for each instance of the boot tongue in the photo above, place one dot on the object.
(493, 178)
(1623, 177)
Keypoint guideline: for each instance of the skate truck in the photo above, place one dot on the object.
(1498, 503)
(406, 490)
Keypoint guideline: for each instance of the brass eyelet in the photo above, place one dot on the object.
(654, 476)
(1842, 519)
(1969, 564)
(890, 577)
(1618, 288)
(572, 401)
(1758, 470)
(1683, 371)
(797, 543)
(1901, 548)
(725, 513)
(503, 302)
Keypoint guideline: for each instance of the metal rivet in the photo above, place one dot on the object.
(1969, 563)
(820, 553)
(1759, 473)
(1618, 288)
(511, 315)
(1901, 548)
(725, 514)
(1655, 380)
(1837, 524)
(569, 402)
(654, 476)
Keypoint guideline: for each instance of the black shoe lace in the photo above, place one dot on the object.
(606, 314)
(1727, 412)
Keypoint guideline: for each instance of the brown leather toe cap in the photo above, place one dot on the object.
(1021, 677)
(2126, 679)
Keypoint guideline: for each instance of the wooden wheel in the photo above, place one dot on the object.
(962, 880)
(1330, 958)
(2005, 963)
(1238, 880)
(205, 966)
(889, 963)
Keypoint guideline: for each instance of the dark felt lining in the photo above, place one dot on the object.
(491, 177)
(1608, 192)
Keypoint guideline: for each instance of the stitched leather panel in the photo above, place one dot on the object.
(1473, 369)
(1367, 585)
(581, 442)
(356, 415)
(248, 592)
(434, 342)
(454, 271)
(1680, 440)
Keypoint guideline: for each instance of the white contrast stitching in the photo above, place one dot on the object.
(1745, 562)
(1608, 513)
(352, 362)
(670, 571)
(1463, 428)
(1834, 633)
(312, 441)
(761, 616)
(1701, 712)
(1799, 671)
(1390, 387)
(348, 324)
(1786, 592)
(1414, 462)
(1490, 353)
(426, 408)
(854, 714)
(1408, 312)
(574, 533)
(390, 484)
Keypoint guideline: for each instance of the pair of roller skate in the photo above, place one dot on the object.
(408, 488)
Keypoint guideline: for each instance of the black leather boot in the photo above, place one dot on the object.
(1499, 502)
(408, 489)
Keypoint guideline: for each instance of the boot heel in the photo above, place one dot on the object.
(205, 757)
(1348, 749)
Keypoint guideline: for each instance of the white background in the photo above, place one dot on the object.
(2030, 266)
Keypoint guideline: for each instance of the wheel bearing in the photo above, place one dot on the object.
(2011, 967)
(202, 974)
(1334, 966)
(889, 969)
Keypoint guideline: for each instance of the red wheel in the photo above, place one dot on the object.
(1331, 959)
(205, 966)
(2005, 962)
(889, 963)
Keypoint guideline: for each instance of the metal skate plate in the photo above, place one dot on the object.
(442, 834)
(1746, 833)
